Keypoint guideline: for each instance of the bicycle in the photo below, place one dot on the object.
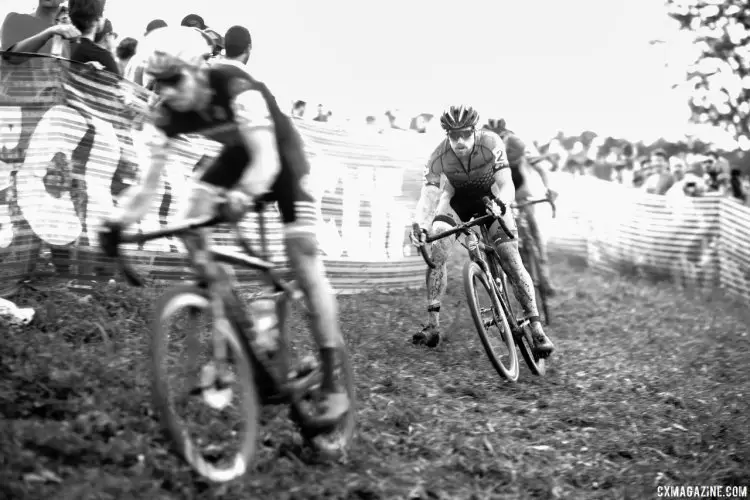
(263, 375)
(528, 247)
(484, 266)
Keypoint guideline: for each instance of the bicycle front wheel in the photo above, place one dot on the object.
(213, 432)
(490, 321)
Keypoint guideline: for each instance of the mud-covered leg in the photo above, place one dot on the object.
(541, 245)
(523, 286)
(437, 283)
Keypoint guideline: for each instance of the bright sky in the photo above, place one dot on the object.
(543, 64)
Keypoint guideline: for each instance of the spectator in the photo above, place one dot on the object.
(155, 24)
(238, 44)
(35, 32)
(125, 52)
(87, 17)
(215, 40)
(106, 38)
(322, 115)
(735, 183)
(298, 109)
(660, 179)
(63, 15)
(677, 168)
(193, 21)
(134, 71)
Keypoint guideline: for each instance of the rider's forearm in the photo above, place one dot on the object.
(428, 202)
(135, 203)
(503, 188)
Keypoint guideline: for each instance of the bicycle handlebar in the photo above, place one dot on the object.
(475, 222)
(111, 246)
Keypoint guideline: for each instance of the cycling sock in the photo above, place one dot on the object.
(433, 311)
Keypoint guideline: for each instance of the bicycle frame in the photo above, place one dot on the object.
(242, 321)
(248, 259)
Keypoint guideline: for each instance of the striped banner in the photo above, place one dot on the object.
(734, 251)
(72, 141)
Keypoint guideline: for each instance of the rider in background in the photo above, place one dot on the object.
(262, 158)
(470, 164)
(521, 157)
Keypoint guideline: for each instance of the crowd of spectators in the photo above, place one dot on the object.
(655, 170)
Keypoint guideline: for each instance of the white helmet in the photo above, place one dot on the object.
(170, 49)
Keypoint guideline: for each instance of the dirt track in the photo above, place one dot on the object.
(649, 387)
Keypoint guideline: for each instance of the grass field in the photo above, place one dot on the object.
(649, 386)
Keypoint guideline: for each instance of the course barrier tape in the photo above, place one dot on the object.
(698, 242)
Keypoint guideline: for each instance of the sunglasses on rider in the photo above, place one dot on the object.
(169, 81)
(460, 134)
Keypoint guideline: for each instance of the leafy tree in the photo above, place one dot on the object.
(720, 78)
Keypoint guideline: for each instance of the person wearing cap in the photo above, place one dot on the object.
(193, 21)
(215, 40)
(134, 68)
(155, 24)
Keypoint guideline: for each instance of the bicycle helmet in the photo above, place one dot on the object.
(169, 50)
(497, 124)
(458, 117)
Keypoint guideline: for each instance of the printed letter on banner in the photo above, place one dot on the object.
(45, 179)
(11, 118)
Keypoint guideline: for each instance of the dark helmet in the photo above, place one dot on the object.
(497, 124)
(458, 117)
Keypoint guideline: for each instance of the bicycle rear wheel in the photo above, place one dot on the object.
(502, 354)
(522, 335)
(225, 449)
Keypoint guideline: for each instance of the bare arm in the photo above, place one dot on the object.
(136, 201)
(503, 188)
(36, 42)
(428, 202)
(431, 195)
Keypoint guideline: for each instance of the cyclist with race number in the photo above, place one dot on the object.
(473, 164)
(262, 158)
(521, 157)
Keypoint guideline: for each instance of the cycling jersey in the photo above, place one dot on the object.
(473, 180)
(217, 122)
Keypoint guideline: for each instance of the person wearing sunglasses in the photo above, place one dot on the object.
(524, 159)
(262, 158)
(473, 164)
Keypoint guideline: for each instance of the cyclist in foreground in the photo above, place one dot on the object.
(473, 164)
(520, 157)
(262, 158)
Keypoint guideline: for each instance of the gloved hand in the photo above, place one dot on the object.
(109, 237)
(496, 208)
(236, 204)
(552, 195)
(418, 238)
